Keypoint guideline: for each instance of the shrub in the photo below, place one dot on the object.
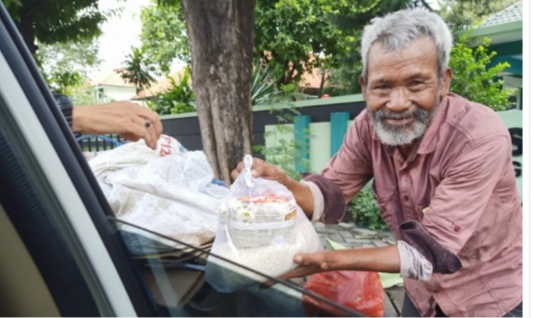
(180, 98)
(474, 79)
(364, 210)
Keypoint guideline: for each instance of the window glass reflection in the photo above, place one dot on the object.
(174, 276)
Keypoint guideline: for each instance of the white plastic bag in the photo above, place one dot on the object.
(187, 216)
(260, 227)
(166, 191)
(133, 153)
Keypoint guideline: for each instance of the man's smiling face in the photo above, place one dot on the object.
(403, 90)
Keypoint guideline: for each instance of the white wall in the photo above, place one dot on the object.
(115, 93)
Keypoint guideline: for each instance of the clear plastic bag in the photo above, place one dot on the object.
(259, 212)
(260, 227)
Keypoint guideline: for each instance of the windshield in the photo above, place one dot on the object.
(174, 274)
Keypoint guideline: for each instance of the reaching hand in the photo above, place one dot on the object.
(264, 170)
(301, 192)
(307, 264)
(129, 120)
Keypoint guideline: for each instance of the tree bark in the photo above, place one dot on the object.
(221, 41)
(25, 26)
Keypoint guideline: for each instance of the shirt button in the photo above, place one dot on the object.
(406, 198)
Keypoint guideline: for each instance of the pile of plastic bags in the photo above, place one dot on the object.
(168, 190)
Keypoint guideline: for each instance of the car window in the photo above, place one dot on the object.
(78, 253)
(173, 272)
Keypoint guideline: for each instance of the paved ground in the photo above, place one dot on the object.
(354, 237)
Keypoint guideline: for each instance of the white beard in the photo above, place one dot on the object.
(401, 137)
(405, 134)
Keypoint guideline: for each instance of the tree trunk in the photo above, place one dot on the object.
(221, 41)
(25, 26)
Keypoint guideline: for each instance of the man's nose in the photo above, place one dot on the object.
(399, 100)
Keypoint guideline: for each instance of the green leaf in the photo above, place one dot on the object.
(474, 77)
(332, 245)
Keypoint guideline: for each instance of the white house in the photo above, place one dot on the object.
(111, 87)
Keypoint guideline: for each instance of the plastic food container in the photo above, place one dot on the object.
(255, 221)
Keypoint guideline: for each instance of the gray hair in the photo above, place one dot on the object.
(396, 30)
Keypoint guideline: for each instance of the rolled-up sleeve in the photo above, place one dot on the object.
(327, 197)
(65, 105)
(441, 259)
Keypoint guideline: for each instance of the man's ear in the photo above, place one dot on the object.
(446, 82)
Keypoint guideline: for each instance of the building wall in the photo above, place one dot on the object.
(107, 93)
(322, 123)
(186, 129)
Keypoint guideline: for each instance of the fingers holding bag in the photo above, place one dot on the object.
(262, 169)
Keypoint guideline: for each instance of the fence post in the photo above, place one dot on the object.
(338, 129)
(302, 141)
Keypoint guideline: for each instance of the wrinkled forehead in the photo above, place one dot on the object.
(391, 43)
(422, 50)
(418, 60)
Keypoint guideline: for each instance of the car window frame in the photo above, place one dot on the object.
(29, 91)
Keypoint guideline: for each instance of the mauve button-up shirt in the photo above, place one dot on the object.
(459, 184)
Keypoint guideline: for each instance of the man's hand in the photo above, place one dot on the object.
(301, 192)
(264, 170)
(129, 120)
(375, 259)
(308, 264)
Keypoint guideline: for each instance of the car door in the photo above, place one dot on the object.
(50, 208)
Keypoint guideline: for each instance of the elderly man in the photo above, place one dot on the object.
(443, 177)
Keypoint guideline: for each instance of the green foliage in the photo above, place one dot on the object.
(474, 79)
(263, 86)
(464, 14)
(137, 69)
(264, 89)
(57, 21)
(64, 81)
(164, 35)
(295, 36)
(364, 210)
(180, 98)
(65, 65)
(344, 80)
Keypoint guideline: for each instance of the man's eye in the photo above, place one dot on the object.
(381, 87)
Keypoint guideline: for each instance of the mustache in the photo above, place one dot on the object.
(417, 113)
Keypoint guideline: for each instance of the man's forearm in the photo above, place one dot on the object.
(377, 259)
(302, 194)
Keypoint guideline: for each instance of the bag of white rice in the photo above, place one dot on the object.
(260, 228)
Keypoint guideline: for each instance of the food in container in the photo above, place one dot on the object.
(260, 220)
